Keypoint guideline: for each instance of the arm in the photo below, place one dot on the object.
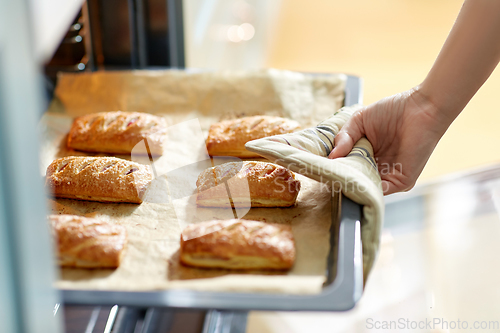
(405, 128)
(468, 57)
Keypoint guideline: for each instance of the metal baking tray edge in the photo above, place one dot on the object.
(344, 276)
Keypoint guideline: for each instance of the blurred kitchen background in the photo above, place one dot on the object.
(391, 44)
(438, 254)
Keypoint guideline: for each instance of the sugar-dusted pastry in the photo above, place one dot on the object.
(118, 132)
(228, 138)
(260, 183)
(87, 242)
(106, 179)
(238, 244)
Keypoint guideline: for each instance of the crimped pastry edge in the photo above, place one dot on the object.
(244, 202)
(207, 260)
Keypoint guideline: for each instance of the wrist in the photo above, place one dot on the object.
(441, 111)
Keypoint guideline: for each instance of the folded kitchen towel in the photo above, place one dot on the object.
(306, 152)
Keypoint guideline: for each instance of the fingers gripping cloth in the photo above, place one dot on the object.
(306, 152)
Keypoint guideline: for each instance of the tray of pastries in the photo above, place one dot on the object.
(161, 205)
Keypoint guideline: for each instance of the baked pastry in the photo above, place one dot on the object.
(118, 132)
(88, 242)
(106, 179)
(267, 184)
(228, 138)
(238, 244)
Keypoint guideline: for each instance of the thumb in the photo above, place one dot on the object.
(351, 132)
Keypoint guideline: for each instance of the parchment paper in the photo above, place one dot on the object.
(191, 102)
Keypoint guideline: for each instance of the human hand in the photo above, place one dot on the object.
(403, 129)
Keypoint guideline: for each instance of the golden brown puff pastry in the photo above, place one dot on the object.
(238, 244)
(268, 184)
(228, 138)
(88, 242)
(106, 179)
(118, 132)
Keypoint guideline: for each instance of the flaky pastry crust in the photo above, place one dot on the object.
(258, 184)
(87, 242)
(238, 244)
(106, 179)
(228, 138)
(118, 132)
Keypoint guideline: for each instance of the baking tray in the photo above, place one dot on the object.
(344, 274)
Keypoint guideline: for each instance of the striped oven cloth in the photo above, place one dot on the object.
(356, 175)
